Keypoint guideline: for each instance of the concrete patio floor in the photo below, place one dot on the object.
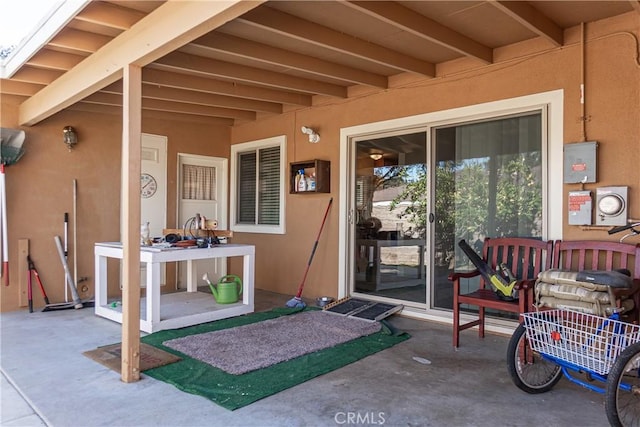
(47, 381)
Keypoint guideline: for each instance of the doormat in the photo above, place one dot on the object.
(236, 391)
(150, 357)
(258, 345)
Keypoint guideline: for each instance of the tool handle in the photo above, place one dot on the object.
(72, 286)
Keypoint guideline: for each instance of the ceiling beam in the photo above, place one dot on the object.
(109, 15)
(213, 100)
(168, 27)
(319, 35)
(186, 81)
(54, 60)
(151, 114)
(532, 19)
(212, 67)
(36, 75)
(79, 41)
(420, 26)
(153, 91)
(13, 87)
(174, 106)
(202, 110)
(255, 51)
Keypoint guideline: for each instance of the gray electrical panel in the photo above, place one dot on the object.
(580, 162)
(580, 203)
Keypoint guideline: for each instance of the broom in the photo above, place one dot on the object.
(296, 302)
(11, 150)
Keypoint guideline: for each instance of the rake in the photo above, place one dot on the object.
(11, 151)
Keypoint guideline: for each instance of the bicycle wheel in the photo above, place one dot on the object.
(529, 371)
(623, 406)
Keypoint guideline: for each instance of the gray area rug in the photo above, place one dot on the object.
(246, 348)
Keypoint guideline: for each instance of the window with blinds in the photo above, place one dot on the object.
(259, 183)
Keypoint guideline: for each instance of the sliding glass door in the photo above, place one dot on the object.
(390, 216)
(488, 183)
(416, 193)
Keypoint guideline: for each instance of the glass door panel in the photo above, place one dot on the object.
(390, 217)
(488, 183)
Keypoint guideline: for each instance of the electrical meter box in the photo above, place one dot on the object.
(580, 162)
(611, 205)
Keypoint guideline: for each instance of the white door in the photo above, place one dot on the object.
(153, 194)
(153, 206)
(202, 189)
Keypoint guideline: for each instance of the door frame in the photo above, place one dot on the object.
(222, 181)
(553, 142)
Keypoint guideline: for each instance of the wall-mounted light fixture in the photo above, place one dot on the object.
(375, 156)
(70, 137)
(313, 135)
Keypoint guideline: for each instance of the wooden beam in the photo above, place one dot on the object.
(203, 110)
(319, 35)
(79, 41)
(11, 87)
(168, 27)
(54, 60)
(212, 100)
(131, 157)
(152, 114)
(421, 26)
(188, 81)
(213, 67)
(255, 51)
(29, 74)
(153, 91)
(173, 105)
(532, 19)
(109, 15)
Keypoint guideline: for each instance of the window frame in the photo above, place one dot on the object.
(236, 150)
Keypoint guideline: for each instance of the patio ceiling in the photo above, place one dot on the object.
(281, 55)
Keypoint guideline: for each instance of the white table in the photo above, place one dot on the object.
(150, 318)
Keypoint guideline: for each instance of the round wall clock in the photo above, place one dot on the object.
(148, 185)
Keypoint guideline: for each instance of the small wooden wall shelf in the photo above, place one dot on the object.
(320, 168)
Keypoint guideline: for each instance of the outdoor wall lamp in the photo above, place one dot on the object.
(313, 135)
(70, 137)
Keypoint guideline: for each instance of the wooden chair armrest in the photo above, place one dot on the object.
(525, 284)
(460, 275)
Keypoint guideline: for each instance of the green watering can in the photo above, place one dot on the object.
(227, 290)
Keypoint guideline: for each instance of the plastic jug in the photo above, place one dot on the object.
(227, 290)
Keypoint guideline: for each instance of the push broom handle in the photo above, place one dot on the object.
(72, 286)
(313, 251)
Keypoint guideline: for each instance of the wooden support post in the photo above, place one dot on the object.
(131, 149)
(23, 251)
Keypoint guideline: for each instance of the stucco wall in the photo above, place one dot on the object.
(40, 185)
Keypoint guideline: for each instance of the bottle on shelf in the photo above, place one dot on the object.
(311, 185)
(302, 182)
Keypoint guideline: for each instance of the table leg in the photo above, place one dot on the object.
(100, 281)
(192, 280)
(153, 293)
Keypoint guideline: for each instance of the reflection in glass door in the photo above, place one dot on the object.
(390, 205)
(488, 183)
